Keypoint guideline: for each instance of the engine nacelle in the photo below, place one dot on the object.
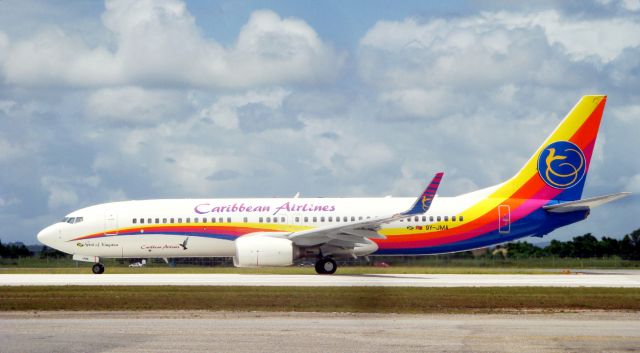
(263, 250)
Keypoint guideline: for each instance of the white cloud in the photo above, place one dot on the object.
(60, 193)
(159, 43)
(224, 112)
(10, 151)
(603, 38)
(627, 113)
(633, 185)
(133, 104)
(631, 5)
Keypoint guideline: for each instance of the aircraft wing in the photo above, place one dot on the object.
(584, 204)
(348, 235)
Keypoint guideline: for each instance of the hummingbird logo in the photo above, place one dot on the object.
(184, 244)
(561, 165)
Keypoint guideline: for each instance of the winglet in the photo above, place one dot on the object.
(423, 202)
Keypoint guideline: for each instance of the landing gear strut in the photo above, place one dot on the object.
(326, 266)
(98, 268)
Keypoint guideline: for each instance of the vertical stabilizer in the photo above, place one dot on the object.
(558, 169)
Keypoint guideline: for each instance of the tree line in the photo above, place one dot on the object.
(583, 246)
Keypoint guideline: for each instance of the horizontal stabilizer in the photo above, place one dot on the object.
(584, 204)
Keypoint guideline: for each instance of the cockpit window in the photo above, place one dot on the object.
(73, 220)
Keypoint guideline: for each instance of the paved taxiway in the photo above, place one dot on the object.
(30, 332)
(625, 279)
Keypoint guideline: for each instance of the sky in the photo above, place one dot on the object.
(122, 100)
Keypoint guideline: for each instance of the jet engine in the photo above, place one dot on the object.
(264, 250)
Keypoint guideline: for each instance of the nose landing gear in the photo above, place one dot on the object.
(326, 266)
(97, 268)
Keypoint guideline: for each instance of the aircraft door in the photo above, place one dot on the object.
(504, 219)
(111, 224)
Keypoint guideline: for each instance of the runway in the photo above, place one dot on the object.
(621, 279)
(200, 331)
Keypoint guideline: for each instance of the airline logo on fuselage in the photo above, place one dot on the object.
(205, 208)
(561, 164)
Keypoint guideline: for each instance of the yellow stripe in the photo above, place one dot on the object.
(567, 128)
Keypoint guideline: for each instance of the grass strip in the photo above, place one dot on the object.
(316, 299)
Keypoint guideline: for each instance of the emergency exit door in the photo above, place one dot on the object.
(111, 224)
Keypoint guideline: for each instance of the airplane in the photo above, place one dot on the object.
(543, 196)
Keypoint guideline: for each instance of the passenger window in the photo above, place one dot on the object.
(157, 220)
(306, 219)
(275, 219)
(438, 218)
(345, 219)
(260, 219)
(453, 218)
(179, 220)
(446, 218)
(353, 219)
(245, 220)
(228, 219)
(173, 220)
(424, 218)
(430, 218)
(204, 219)
(315, 219)
(135, 221)
(213, 220)
(141, 220)
(360, 218)
(461, 219)
(330, 219)
(416, 218)
(322, 219)
(281, 219)
(268, 219)
(149, 220)
(188, 220)
(220, 220)
(297, 219)
(164, 220)
(195, 220)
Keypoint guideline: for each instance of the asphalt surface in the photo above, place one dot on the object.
(627, 279)
(312, 332)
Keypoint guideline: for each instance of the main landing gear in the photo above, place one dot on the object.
(97, 268)
(326, 266)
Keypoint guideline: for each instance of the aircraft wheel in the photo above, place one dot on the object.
(97, 268)
(326, 266)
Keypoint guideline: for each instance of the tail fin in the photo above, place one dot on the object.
(558, 169)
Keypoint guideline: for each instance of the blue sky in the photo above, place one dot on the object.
(133, 100)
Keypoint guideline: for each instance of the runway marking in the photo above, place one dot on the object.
(631, 280)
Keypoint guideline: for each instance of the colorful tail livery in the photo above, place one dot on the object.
(544, 195)
(558, 169)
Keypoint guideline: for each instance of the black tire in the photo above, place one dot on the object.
(326, 266)
(97, 268)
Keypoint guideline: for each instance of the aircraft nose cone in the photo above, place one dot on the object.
(44, 236)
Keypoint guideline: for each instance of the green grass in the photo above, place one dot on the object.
(322, 299)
